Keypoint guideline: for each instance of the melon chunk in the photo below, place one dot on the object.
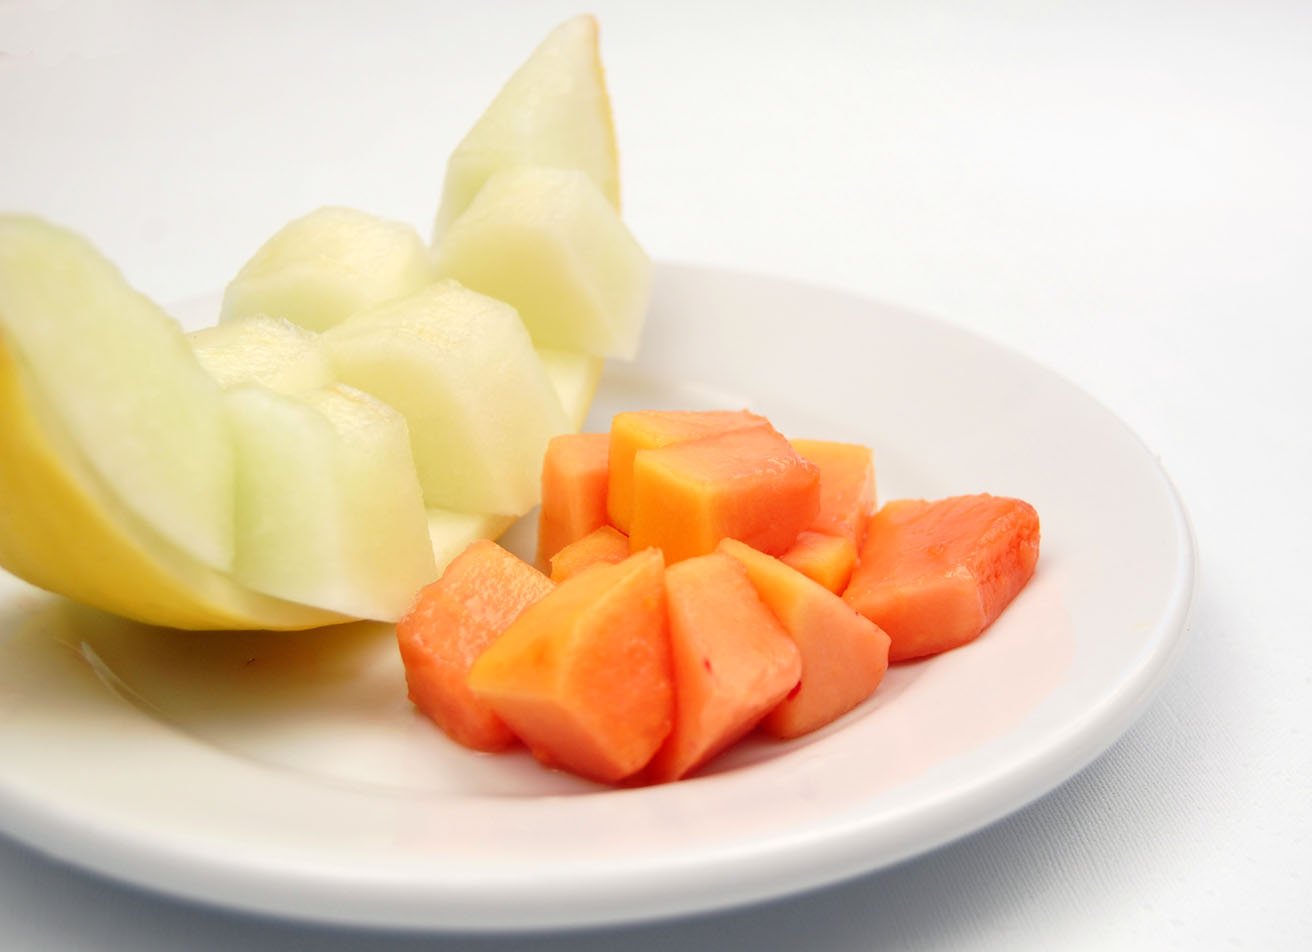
(329, 510)
(575, 376)
(461, 368)
(574, 475)
(452, 622)
(263, 350)
(844, 655)
(320, 269)
(733, 661)
(603, 546)
(553, 111)
(935, 574)
(547, 242)
(583, 676)
(449, 532)
(746, 484)
(637, 430)
(847, 486)
(122, 381)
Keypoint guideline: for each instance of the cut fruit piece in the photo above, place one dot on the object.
(63, 530)
(453, 621)
(604, 546)
(320, 269)
(118, 375)
(935, 574)
(461, 368)
(733, 661)
(575, 377)
(847, 486)
(546, 242)
(574, 473)
(449, 533)
(329, 510)
(554, 111)
(827, 559)
(844, 655)
(583, 676)
(263, 350)
(747, 484)
(651, 429)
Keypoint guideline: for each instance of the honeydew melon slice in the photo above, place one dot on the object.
(553, 111)
(462, 370)
(259, 349)
(548, 243)
(119, 376)
(63, 529)
(329, 510)
(321, 268)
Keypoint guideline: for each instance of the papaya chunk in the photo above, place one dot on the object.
(935, 574)
(749, 485)
(583, 676)
(847, 486)
(574, 477)
(606, 545)
(827, 559)
(733, 661)
(452, 622)
(844, 655)
(651, 429)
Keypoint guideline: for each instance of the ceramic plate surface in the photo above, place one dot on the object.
(287, 774)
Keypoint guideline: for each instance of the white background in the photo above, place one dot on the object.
(1119, 190)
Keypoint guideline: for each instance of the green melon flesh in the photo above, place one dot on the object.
(548, 243)
(462, 370)
(322, 268)
(329, 511)
(123, 382)
(553, 111)
(259, 349)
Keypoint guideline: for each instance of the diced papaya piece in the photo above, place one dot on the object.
(574, 476)
(828, 559)
(935, 574)
(606, 545)
(733, 661)
(844, 655)
(583, 676)
(746, 484)
(452, 622)
(847, 486)
(652, 429)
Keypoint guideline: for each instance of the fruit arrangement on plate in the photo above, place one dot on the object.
(372, 409)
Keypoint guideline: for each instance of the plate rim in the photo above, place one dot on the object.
(1002, 791)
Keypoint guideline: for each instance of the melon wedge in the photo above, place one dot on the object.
(320, 269)
(547, 242)
(329, 510)
(63, 529)
(461, 368)
(553, 111)
(103, 356)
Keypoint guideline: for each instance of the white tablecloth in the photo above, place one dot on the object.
(1119, 190)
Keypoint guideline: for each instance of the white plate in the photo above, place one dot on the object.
(287, 774)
